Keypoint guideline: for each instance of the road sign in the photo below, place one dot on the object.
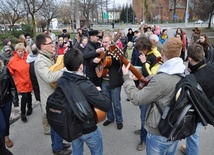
(175, 16)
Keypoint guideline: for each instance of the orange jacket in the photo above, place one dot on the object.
(20, 70)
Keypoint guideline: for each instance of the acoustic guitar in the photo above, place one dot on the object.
(106, 60)
(118, 54)
(102, 67)
(57, 66)
(99, 114)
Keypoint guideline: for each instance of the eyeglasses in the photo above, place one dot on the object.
(48, 43)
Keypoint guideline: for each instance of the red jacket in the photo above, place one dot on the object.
(20, 70)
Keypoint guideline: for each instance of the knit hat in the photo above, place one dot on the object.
(6, 41)
(154, 37)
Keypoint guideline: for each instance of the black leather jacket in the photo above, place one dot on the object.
(8, 90)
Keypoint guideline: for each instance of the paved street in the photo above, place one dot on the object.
(29, 139)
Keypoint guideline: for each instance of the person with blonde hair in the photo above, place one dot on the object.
(20, 70)
(159, 90)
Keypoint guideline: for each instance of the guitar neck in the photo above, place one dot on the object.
(134, 71)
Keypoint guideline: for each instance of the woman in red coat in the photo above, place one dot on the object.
(19, 69)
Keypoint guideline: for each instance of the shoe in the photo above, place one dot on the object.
(23, 118)
(107, 122)
(47, 133)
(8, 142)
(141, 146)
(137, 132)
(62, 152)
(29, 111)
(119, 126)
(66, 145)
(183, 149)
(128, 99)
(6, 152)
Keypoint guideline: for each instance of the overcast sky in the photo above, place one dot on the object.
(121, 2)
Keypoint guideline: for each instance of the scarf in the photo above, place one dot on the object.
(164, 36)
(47, 54)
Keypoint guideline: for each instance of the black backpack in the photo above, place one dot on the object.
(179, 119)
(67, 110)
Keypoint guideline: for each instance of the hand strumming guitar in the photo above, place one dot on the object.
(96, 60)
(99, 50)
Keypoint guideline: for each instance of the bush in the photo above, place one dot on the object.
(8, 35)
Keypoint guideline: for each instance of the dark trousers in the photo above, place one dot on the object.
(26, 100)
(5, 112)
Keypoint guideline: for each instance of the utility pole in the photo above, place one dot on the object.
(143, 10)
(77, 10)
(187, 13)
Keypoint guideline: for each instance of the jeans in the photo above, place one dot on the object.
(56, 141)
(5, 112)
(192, 142)
(115, 113)
(26, 100)
(143, 109)
(93, 141)
(158, 145)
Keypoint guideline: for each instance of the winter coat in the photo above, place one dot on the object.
(19, 69)
(89, 53)
(8, 92)
(160, 89)
(45, 77)
(94, 97)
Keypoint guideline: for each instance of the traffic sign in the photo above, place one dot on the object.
(175, 16)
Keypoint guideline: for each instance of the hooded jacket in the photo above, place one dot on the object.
(19, 69)
(160, 89)
(5, 57)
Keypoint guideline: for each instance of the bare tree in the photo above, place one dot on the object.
(49, 10)
(205, 9)
(33, 6)
(12, 11)
(88, 5)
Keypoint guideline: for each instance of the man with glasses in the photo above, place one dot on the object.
(45, 77)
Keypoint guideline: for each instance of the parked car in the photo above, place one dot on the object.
(199, 22)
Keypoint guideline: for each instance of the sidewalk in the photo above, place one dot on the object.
(15, 113)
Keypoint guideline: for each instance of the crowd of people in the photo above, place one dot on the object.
(25, 68)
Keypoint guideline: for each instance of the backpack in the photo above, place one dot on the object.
(67, 110)
(179, 119)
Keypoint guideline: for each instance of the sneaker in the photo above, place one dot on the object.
(62, 152)
(8, 142)
(29, 111)
(119, 126)
(23, 118)
(107, 122)
(137, 132)
(183, 149)
(141, 146)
